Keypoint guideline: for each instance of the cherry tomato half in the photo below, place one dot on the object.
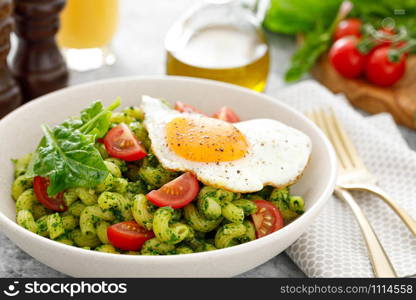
(120, 142)
(128, 236)
(345, 57)
(226, 114)
(182, 107)
(381, 71)
(267, 219)
(40, 187)
(176, 193)
(348, 27)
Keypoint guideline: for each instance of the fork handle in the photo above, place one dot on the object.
(408, 220)
(382, 266)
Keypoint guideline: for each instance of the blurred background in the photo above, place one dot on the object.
(265, 45)
(139, 42)
(348, 46)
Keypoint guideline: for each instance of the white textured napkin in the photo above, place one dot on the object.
(333, 246)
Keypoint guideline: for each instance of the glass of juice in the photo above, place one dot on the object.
(219, 40)
(86, 30)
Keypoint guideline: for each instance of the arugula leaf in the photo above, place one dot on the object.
(67, 155)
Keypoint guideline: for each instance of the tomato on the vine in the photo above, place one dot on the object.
(348, 27)
(385, 36)
(381, 71)
(346, 58)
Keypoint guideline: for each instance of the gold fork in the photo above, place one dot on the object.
(352, 171)
(353, 174)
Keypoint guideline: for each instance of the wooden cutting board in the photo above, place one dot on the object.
(399, 99)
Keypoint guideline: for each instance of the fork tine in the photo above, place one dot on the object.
(314, 116)
(348, 144)
(343, 156)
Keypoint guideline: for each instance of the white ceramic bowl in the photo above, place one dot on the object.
(20, 133)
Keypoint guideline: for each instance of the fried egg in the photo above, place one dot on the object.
(239, 157)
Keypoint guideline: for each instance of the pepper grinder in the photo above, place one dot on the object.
(38, 64)
(10, 96)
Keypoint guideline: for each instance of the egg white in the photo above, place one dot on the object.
(277, 154)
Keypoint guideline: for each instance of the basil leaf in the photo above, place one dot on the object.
(316, 43)
(299, 16)
(69, 159)
(96, 118)
(315, 19)
(67, 155)
(91, 111)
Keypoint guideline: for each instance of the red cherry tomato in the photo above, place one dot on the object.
(226, 114)
(381, 71)
(176, 193)
(348, 27)
(120, 142)
(182, 107)
(345, 57)
(386, 30)
(40, 187)
(128, 236)
(267, 219)
(382, 42)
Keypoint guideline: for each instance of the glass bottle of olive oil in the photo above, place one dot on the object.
(219, 40)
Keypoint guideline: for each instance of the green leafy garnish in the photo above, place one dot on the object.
(315, 20)
(96, 119)
(299, 16)
(314, 44)
(67, 154)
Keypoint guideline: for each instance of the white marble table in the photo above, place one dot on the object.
(139, 49)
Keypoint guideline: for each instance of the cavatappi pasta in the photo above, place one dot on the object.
(215, 219)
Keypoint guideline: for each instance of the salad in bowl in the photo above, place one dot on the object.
(217, 168)
(160, 180)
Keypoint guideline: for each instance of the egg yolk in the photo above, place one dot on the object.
(205, 140)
